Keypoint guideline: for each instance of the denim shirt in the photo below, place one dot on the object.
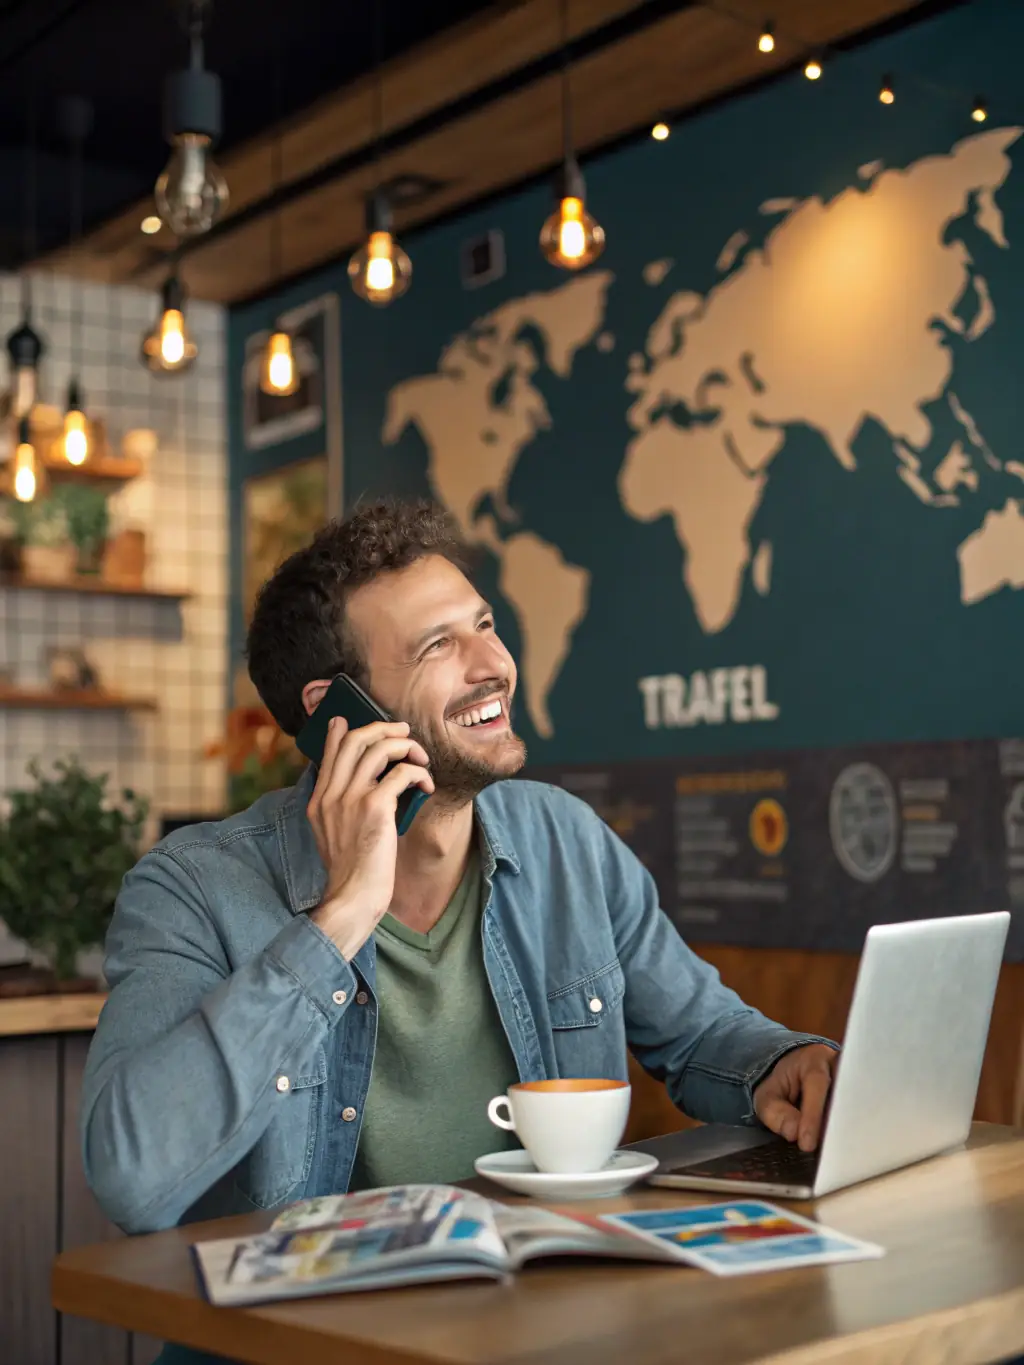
(232, 1059)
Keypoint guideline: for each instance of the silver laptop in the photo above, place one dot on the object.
(907, 1079)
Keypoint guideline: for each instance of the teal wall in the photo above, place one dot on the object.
(860, 630)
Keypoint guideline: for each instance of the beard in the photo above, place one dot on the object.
(460, 776)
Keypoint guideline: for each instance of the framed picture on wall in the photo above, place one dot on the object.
(272, 419)
(281, 511)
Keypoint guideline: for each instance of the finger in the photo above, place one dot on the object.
(814, 1093)
(403, 776)
(350, 750)
(376, 758)
(780, 1116)
(337, 728)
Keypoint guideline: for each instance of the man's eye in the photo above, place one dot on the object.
(487, 623)
(435, 645)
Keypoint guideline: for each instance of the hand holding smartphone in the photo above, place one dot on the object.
(372, 780)
(347, 699)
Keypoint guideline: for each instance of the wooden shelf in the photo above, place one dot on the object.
(101, 469)
(70, 699)
(95, 586)
(53, 1013)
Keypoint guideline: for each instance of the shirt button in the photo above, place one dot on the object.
(348, 1114)
(339, 997)
(596, 1006)
(362, 998)
(283, 1084)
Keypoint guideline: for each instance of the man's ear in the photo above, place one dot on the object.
(313, 694)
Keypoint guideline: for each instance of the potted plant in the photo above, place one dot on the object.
(40, 528)
(87, 519)
(64, 849)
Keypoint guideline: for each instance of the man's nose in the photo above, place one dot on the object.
(486, 659)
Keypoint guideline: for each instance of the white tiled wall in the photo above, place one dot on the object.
(145, 647)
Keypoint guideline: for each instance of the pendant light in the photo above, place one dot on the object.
(25, 483)
(380, 271)
(24, 345)
(571, 237)
(25, 349)
(168, 348)
(75, 116)
(279, 375)
(192, 193)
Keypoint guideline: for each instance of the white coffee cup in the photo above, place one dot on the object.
(567, 1126)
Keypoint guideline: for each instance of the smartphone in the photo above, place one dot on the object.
(347, 699)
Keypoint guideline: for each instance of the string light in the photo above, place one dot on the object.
(151, 224)
(571, 237)
(814, 58)
(279, 374)
(76, 119)
(380, 271)
(168, 348)
(660, 132)
(26, 478)
(76, 432)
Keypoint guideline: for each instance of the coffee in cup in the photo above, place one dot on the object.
(567, 1126)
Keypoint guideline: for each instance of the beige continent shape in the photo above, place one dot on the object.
(549, 598)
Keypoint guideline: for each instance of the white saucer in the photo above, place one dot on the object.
(517, 1172)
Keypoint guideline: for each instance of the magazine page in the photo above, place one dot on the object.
(380, 1237)
(743, 1236)
(530, 1232)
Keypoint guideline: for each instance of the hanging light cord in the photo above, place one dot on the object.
(276, 252)
(76, 237)
(567, 131)
(377, 115)
(30, 199)
(193, 23)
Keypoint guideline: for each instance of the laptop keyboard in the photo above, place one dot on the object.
(773, 1163)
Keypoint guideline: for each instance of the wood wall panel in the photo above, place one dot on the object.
(83, 1342)
(811, 992)
(28, 1199)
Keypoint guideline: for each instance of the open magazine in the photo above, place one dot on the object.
(411, 1234)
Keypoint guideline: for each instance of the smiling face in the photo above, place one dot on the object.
(433, 659)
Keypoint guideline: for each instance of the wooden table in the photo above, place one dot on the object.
(950, 1289)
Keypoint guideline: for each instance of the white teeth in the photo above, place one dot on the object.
(479, 714)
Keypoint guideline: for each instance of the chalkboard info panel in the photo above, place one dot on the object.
(808, 849)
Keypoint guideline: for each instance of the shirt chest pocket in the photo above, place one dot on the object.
(282, 1158)
(587, 1026)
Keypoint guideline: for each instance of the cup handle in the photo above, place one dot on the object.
(496, 1118)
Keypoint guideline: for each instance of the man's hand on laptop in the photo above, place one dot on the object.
(791, 1098)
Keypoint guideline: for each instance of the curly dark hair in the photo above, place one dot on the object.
(298, 629)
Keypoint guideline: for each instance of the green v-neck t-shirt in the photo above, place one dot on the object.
(441, 1054)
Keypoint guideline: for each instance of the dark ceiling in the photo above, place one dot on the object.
(115, 54)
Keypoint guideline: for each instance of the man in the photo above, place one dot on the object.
(303, 1002)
